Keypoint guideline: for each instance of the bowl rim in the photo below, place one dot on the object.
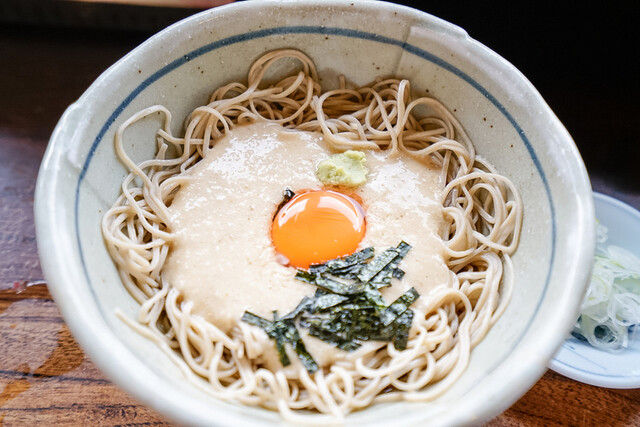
(136, 379)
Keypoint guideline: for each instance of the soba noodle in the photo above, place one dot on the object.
(482, 212)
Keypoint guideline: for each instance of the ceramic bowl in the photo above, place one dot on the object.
(505, 116)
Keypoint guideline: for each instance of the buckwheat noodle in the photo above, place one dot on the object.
(482, 210)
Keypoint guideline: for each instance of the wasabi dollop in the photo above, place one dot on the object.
(345, 169)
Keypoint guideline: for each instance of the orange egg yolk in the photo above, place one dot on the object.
(317, 226)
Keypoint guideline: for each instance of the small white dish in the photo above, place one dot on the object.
(577, 359)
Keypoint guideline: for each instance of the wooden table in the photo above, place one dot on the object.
(45, 378)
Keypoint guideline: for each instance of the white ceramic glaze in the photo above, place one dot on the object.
(579, 360)
(507, 119)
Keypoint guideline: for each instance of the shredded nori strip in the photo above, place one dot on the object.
(397, 273)
(383, 278)
(399, 306)
(402, 327)
(255, 320)
(306, 276)
(327, 283)
(287, 195)
(283, 331)
(347, 307)
(346, 267)
(361, 313)
(304, 305)
(370, 270)
(324, 302)
(377, 264)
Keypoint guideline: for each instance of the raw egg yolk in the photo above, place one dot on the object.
(317, 226)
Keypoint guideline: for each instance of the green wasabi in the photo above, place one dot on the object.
(345, 169)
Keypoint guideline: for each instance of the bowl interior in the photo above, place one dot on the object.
(508, 121)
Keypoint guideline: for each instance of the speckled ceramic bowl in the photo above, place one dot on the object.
(505, 116)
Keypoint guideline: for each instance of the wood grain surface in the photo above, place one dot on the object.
(45, 378)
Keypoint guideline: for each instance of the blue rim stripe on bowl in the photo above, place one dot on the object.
(320, 30)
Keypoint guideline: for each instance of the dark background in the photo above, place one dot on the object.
(581, 56)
